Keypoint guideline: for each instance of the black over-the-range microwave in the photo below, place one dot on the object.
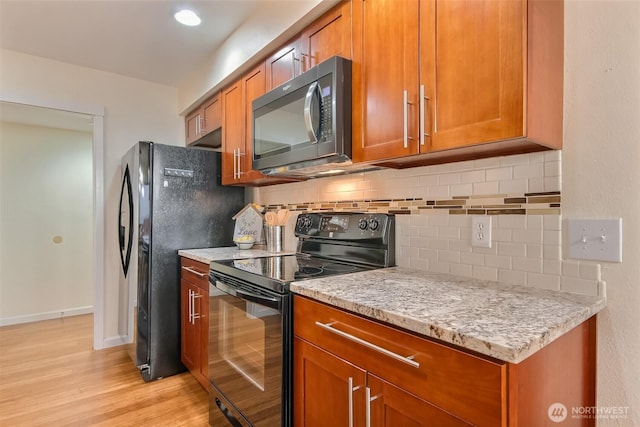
(303, 127)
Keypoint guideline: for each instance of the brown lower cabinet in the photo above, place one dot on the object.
(194, 318)
(423, 382)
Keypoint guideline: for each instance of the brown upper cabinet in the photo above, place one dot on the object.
(237, 131)
(203, 121)
(232, 132)
(328, 36)
(442, 80)
(283, 65)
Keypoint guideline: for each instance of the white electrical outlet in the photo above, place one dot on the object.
(595, 239)
(481, 231)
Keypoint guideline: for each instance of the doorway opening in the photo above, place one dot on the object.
(69, 127)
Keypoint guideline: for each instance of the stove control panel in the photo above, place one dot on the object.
(343, 225)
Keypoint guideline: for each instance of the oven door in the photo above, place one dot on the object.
(249, 339)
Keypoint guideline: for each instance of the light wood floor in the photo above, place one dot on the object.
(51, 376)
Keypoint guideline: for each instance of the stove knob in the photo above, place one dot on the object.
(307, 222)
(362, 224)
(373, 224)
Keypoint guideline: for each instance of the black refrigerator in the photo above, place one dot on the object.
(170, 199)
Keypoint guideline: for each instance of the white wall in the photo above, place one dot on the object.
(46, 188)
(601, 174)
(134, 110)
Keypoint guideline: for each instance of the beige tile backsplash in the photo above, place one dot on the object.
(434, 205)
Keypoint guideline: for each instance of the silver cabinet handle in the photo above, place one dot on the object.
(201, 125)
(351, 390)
(405, 111)
(293, 65)
(196, 272)
(369, 399)
(408, 359)
(423, 112)
(236, 159)
(235, 167)
(194, 315)
(305, 62)
(192, 307)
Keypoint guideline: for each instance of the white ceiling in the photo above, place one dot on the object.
(135, 38)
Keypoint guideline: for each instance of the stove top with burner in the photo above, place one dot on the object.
(328, 244)
(277, 272)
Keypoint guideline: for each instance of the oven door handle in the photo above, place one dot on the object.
(271, 302)
(275, 303)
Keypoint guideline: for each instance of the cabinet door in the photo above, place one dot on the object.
(391, 406)
(190, 331)
(473, 70)
(237, 131)
(385, 74)
(460, 383)
(192, 126)
(253, 85)
(328, 390)
(232, 132)
(283, 65)
(211, 114)
(328, 36)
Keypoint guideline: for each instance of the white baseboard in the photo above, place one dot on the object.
(114, 341)
(6, 321)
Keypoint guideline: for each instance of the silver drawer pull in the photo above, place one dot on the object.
(369, 399)
(351, 390)
(408, 360)
(196, 272)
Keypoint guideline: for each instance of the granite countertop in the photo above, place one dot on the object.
(506, 322)
(207, 255)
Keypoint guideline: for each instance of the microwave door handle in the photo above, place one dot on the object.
(307, 112)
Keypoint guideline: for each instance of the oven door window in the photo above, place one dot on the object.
(245, 356)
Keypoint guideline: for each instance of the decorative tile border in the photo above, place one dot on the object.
(548, 203)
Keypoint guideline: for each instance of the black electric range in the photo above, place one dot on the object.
(250, 309)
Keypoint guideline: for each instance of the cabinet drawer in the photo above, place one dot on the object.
(471, 387)
(195, 272)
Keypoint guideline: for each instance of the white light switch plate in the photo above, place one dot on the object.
(595, 239)
(481, 231)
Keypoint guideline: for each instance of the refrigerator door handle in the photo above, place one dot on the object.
(125, 238)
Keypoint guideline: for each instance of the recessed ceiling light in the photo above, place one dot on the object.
(188, 17)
